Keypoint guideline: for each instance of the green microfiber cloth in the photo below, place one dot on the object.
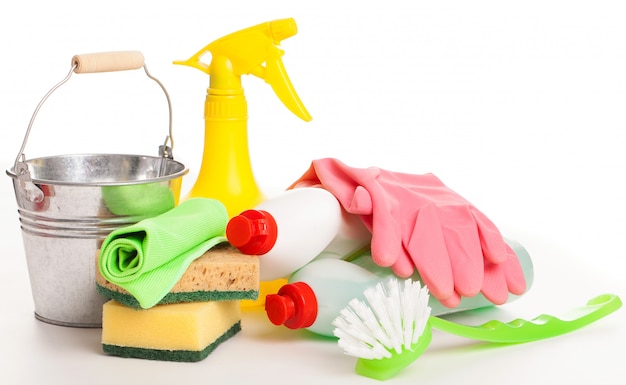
(170, 355)
(145, 199)
(149, 257)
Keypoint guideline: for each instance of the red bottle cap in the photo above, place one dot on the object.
(294, 306)
(253, 232)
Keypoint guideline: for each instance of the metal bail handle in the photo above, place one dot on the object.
(90, 63)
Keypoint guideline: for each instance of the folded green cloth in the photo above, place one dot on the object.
(144, 199)
(149, 257)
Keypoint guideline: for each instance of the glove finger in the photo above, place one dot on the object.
(361, 203)
(451, 302)
(515, 279)
(495, 287)
(427, 248)
(386, 243)
(492, 243)
(403, 266)
(464, 250)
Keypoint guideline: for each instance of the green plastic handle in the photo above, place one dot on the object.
(516, 331)
(541, 327)
(387, 368)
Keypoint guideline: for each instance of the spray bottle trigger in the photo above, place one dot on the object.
(276, 76)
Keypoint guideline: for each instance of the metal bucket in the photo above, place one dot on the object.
(67, 206)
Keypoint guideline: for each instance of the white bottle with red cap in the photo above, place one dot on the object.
(291, 229)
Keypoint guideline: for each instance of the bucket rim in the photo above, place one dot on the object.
(184, 170)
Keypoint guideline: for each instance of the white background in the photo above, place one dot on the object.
(518, 106)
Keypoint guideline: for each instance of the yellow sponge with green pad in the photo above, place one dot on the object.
(184, 332)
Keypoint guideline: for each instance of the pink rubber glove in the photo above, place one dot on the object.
(419, 223)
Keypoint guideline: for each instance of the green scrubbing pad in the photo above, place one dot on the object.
(196, 296)
(170, 355)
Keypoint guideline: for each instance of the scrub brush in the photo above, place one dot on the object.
(395, 328)
(390, 333)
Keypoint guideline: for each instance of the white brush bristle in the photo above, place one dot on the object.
(393, 319)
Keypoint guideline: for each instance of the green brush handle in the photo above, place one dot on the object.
(389, 367)
(541, 327)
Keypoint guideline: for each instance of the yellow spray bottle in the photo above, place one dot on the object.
(226, 172)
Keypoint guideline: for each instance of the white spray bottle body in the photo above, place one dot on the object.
(306, 222)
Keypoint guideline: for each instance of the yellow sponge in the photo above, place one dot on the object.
(174, 332)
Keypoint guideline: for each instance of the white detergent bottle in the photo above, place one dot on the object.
(317, 293)
(289, 230)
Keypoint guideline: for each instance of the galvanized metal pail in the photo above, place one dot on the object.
(68, 204)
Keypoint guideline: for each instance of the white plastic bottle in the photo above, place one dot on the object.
(291, 229)
(317, 293)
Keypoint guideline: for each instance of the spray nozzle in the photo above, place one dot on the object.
(243, 53)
